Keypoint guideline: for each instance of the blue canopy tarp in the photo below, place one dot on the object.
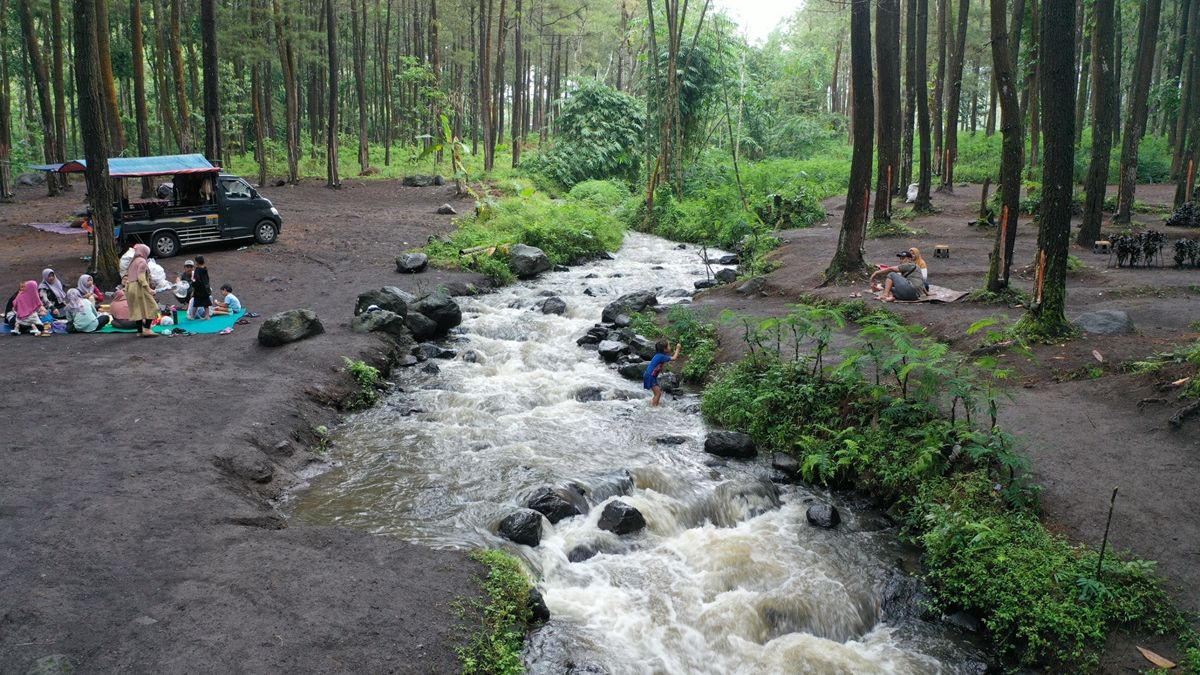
(132, 167)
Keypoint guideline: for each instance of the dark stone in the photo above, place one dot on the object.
(706, 283)
(431, 368)
(421, 326)
(627, 304)
(457, 288)
(389, 297)
(554, 305)
(432, 351)
(610, 350)
(727, 259)
(441, 309)
(642, 346)
(964, 620)
(754, 286)
(522, 527)
(1105, 322)
(677, 293)
(582, 552)
(446, 210)
(681, 247)
(621, 518)
(32, 179)
(539, 613)
(589, 394)
(561, 268)
(528, 261)
(407, 361)
(418, 181)
(733, 444)
(633, 371)
(289, 326)
(381, 321)
(669, 382)
(823, 515)
(622, 321)
(726, 276)
(439, 181)
(786, 463)
(411, 263)
(671, 440)
(472, 356)
(553, 504)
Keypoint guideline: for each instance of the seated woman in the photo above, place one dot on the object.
(89, 290)
(84, 318)
(54, 296)
(119, 309)
(28, 311)
(897, 284)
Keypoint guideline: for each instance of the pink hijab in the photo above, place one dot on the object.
(138, 266)
(119, 307)
(27, 301)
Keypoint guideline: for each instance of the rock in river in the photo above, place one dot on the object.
(610, 350)
(380, 321)
(789, 465)
(552, 503)
(441, 309)
(289, 326)
(422, 327)
(589, 394)
(554, 305)
(522, 527)
(528, 261)
(733, 444)
(389, 297)
(633, 371)
(823, 515)
(411, 263)
(621, 518)
(432, 351)
(628, 304)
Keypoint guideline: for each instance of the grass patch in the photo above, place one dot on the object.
(495, 647)
(368, 380)
(881, 229)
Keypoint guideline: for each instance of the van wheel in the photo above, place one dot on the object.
(165, 245)
(266, 232)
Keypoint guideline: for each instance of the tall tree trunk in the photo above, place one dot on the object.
(887, 64)
(848, 260)
(1187, 77)
(139, 88)
(287, 66)
(1011, 161)
(358, 24)
(989, 127)
(1135, 119)
(1034, 83)
(332, 179)
(954, 99)
(93, 120)
(519, 82)
(435, 62)
(110, 87)
(41, 80)
(386, 77)
(163, 78)
(1102, 121)
(60, 101)
(939, 85)
(1081, 98)
(485, 80)
(212, 96)
(1118, 52)
(1179, 49)
(181, 102)
(258, 94)
(834, 95)
(1187, 151)
(925, 172)
(1046, 317)
(5, 113)
(910, 93)
(498, 84)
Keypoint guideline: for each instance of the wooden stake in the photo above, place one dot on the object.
(1191, 176)
(1104, 544)
(1003, 238)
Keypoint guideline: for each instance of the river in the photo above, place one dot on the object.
(727, 577)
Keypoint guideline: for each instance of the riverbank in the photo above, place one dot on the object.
(135, 501)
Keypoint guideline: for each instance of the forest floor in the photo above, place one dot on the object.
(1088, 426)
(137, 532)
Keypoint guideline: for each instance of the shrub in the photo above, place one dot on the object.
(601, 194)
(698, 339)
(368, 380)
(496, 645)
(599, 135)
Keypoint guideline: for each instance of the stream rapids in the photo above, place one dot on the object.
(727, 577)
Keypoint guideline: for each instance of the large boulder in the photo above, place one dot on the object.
(823, 515)
(644, 347)
(785, 463)
(421, 181)
(522, 527)
(528, 261)
(432, 351)
(289, 326)
(610, 350)
(411, 263)
(446, 210)
(705, 283)
(441, 309)
(726, 276)
(669, 382)
(1105, 322)
(633, 371)
(553, 503)
(389, 297)
(422, 327)
(553, 305)
(628, 304)
(381, 321)
(589, 394)
(733, 444)
(754, 286)
(621, 518)
(595, 335)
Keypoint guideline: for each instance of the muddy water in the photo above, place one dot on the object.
(727, 577)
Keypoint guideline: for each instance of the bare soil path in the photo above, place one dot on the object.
(136, 528)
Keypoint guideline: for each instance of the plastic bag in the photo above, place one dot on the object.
(912, 193)
(126, 258)
(158, 277)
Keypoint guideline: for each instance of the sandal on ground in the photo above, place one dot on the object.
(253, 315)
(243, 322)
(226, 331)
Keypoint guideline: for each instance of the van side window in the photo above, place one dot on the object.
(236, 189)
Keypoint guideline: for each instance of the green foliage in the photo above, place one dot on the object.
(1187, 355)
(880, 229)
(495, 648)
(368, 380)
(698, 338)
(607, 195)
(566, 230)
(599, 132)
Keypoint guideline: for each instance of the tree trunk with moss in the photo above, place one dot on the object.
(1010, 158)
(925, 170)
(887, 59)
(93, 121)
(849, 260)
(1102, 121)
(1046, 318)
(954, 98)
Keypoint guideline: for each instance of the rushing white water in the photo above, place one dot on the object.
(727, 577)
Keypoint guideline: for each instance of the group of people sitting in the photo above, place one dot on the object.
(906, 281)
(34, 308)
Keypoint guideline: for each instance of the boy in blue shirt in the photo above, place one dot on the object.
(655, 368)
(229, 303)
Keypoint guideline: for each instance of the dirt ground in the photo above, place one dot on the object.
(1086, 430)
(136, 528)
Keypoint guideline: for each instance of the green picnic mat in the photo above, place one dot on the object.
(200, 327)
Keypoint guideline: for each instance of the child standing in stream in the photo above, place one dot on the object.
(655, 368)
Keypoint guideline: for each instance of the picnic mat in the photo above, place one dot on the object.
(936, 294)
(57, 228)
(196, 327)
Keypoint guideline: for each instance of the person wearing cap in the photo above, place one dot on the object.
(183, 284)
(897, 284)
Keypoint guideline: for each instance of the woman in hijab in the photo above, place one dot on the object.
(28, 311)
(89, 290)
(119, 309)
(84, 318)
(143, 309)
(54, 296)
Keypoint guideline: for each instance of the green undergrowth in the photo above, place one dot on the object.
(567, 230)
(1187, 355)
(881, 229)
(369, 381)
(495, 646)
(697, 338)
(898, 414)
